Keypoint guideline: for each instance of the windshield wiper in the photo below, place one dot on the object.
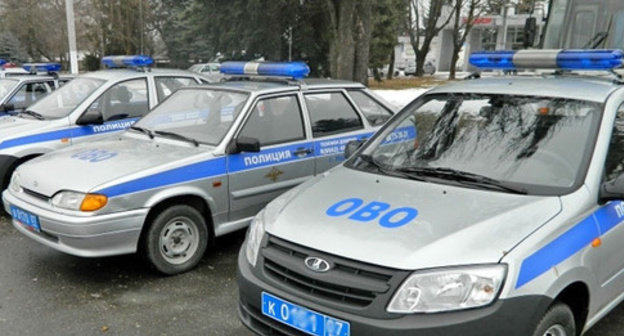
(149, 133)
(33, 114)
(178, 136)
(388, 170)
(464, 178)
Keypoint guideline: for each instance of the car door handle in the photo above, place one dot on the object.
(302, 151)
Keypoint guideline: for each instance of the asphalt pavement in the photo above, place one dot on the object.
(45, 292)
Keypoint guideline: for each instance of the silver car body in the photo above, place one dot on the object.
(32, 87)
(24, 137)
(144, 173)
(550, 244)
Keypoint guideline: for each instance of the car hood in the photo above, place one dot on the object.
(12, 127)
(453, 225)
(85, 167)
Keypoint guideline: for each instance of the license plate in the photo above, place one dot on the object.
(30, 221)
(304, 319)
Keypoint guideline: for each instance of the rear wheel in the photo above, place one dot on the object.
(558, 321)
(176, 239)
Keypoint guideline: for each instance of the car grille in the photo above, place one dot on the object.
(351, 283)
(36, 195)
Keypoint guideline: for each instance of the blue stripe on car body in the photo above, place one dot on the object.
(570, 242)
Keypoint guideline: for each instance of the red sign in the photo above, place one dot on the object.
(481, 21)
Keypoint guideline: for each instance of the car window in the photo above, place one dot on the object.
(6, 85)
(331, 113)
(275, 120)
(374, 112)
(123, 100)
(61, 102)
(167, 85)
(614, 165)
(28, 94)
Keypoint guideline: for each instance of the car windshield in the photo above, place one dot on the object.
(523, 144)
(61, 102)
(6, 85)
(203, 115)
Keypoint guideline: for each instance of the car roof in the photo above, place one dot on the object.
(115, 74)
(591, 88)
(37, 77)
(275, 85)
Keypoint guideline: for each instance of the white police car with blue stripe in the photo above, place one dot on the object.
(91, 106)
(485, 207)
(200, 165)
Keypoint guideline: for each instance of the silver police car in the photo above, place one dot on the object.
(19, 92)
(485, 207)
(90, 107)
(200, 165)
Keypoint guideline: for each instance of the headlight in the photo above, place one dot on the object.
(448, 289)
(254, 238)
(15, 184)
(258, 225)
(73, 200)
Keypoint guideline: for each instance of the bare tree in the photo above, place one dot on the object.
(424, 20)
(472, 9)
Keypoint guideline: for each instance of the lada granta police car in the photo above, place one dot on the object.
(485, 207)
(200, 165)
(91, 106)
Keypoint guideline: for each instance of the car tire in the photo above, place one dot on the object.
(558, 321)
(176, 239)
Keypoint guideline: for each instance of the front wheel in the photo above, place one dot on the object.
(176, 239)
(558, 321)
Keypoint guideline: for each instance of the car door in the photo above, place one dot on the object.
(607, 262)
(335, 122)
(117, 108)
(285, 159)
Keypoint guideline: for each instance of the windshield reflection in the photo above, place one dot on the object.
(62, 101)
(536, 143)
(201, 115)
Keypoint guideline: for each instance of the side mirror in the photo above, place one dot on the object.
(8, 107)
(91, 117)
(352, 147)
(530, 29)
(612, 190)
(246, 144)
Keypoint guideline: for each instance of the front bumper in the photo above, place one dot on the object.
(515, 316)
(88, 236)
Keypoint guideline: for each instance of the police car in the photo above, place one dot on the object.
(19, 92)
(488, 206)
(200, 165)
(91, 106)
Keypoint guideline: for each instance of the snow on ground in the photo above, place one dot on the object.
(400, 98)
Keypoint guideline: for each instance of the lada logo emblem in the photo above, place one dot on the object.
(317, 264)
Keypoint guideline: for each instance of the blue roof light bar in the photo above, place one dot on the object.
(133, 61)
(548, 59)
(296, 70)
(2, 62)
(42, 67)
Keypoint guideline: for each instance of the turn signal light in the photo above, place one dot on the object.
(93, 202)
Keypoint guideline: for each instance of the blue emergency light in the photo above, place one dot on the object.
(42, 67)
(134, 61)
(2, 62)
(548, 59)
(296, 70)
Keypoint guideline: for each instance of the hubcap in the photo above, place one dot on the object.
(556, 330)
(178, 240)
